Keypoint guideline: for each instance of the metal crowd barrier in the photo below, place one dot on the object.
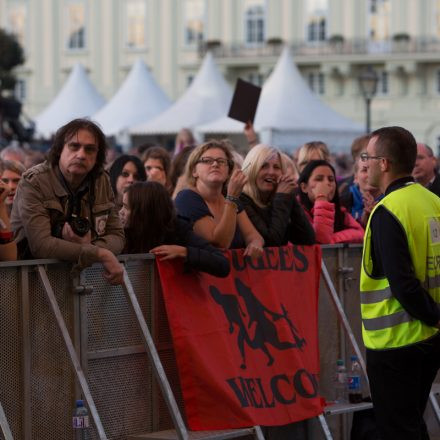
(38, 386)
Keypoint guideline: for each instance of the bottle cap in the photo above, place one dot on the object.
(353, 357)
(79, 403)
(339, 362)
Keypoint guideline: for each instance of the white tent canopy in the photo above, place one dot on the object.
(290, 114)
(138, 100)
(224, 125)
(78, 98)
(207, 98)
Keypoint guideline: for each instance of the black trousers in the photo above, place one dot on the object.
(400, 382)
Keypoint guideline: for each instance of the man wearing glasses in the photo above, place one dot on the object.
(64, 207)
(400, 287)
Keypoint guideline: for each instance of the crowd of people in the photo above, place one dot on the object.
(228, 200)
(73, 206)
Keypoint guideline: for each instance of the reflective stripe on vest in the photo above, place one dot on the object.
(385, 323)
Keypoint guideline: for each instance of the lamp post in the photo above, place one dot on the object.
(368, 80)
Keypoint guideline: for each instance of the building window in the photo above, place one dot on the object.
(194, 13)
(135, 16)
(436, 16)
(20, 90)
(317, 11)
(379, 19)
(383, 83)
(254, 21)
(16, 23)
(257, 79)
(75, 25)
(437, 82)
(316, 82)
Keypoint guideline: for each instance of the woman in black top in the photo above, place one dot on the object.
(269, 200)
(151, 225)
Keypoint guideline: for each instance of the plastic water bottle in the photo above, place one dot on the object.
(354, 381)
(341, 382)
(81, 421)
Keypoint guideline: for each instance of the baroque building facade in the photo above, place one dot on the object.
(332, 42)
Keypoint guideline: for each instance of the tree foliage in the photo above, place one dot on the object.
(12, 55)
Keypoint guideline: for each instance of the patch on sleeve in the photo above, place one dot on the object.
(100, 224)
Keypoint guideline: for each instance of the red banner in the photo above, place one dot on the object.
(247, 345)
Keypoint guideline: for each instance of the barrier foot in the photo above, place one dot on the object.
(71, 351)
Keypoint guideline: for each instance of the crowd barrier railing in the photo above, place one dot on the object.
(39, 386)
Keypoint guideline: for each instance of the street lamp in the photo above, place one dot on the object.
(368, 80)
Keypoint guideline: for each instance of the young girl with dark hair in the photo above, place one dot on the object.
(125, 171)
(319, 197)
(151, 225)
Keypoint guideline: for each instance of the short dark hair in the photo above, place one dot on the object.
(398, 145)
(70, 129)
(158, 153)
(118, 165)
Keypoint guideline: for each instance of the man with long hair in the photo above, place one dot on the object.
(64, 207)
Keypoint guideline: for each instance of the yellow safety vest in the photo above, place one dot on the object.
(385, 323)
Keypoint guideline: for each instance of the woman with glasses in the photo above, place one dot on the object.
(269, 200)
(218, 218)
(319, 196)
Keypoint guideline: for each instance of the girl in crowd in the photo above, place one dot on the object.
(125, 171)
(157, 163)
(268, 197)
(8, 247)
(151, 225)
(319, 196)
(220, 220)
(10, 175)
(315, 150)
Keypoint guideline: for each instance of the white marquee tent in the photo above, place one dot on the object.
(78, 98)
(207, 98)
(138, 100)
(290, 114)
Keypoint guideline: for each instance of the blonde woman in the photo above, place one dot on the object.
(218, 219)
(315, 150)
(269, 200)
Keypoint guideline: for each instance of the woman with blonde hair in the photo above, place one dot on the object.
(269, 200)
(218, 219)
(315, 150)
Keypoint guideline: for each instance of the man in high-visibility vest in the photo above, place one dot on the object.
(400, 287)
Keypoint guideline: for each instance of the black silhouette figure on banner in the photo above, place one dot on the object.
(265, 329)
(234, 314)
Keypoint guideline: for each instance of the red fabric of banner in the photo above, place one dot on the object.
(247, 345)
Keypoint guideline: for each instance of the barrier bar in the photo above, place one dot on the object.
(72, 353)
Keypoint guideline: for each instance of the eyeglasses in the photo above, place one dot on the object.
(365, 157)
(222, 162)
(88, 149)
